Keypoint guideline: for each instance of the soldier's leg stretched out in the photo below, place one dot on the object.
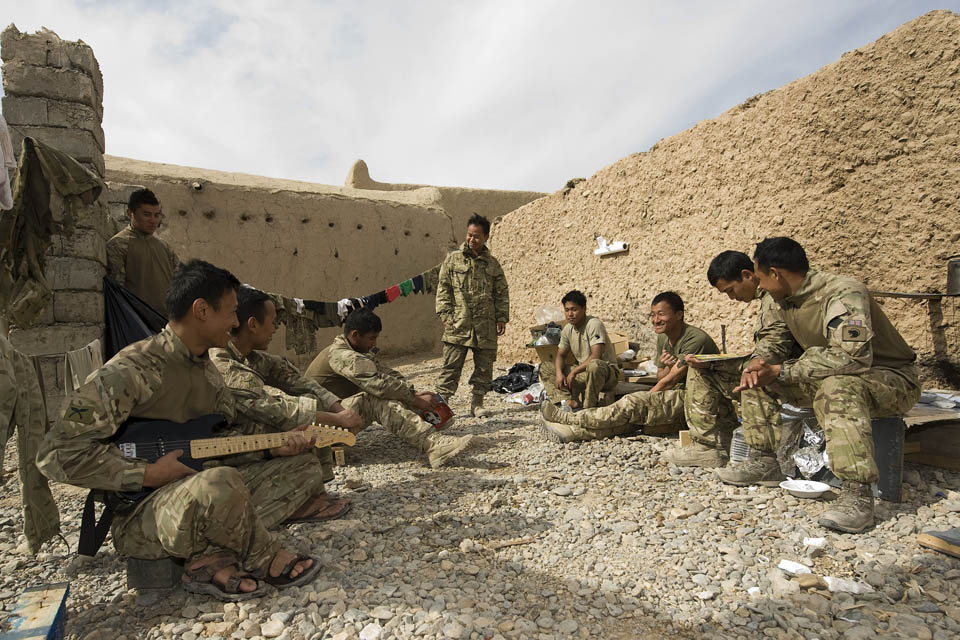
(623, 416)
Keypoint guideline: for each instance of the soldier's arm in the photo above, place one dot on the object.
(444, 306)
(363, 372)
(255, 406)
(501, 296)
(848, 330)
(287, 378)
(772, 341)
(76, 450)
(117, 260)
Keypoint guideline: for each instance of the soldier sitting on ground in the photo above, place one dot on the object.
(349, 369)
(662, 405)
(711, 385)
(247, 369)
(136, 258)
(217, 519)
(855, 365)
(596, 370)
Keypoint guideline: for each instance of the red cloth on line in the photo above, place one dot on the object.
(393, 293)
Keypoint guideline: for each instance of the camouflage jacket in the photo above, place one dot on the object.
(144, 264)
(155, 378)
(841, 329)
(347, 372)
(293, 401)
(472, 297)
(772, 339)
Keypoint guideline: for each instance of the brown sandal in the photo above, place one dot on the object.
(284, 580)
(201, 581)
(334, 507)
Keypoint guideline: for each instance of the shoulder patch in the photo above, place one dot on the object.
(853, 331)
(78, 412)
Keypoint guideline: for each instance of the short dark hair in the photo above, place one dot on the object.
(141, 197)
(481, 222)
(251, 303)
(671, 298)
(729, 266)
(197, 279)
(576, 297)
(782, 253)
(363, 321)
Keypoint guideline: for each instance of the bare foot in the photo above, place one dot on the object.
(223, 575)
(282, 558)
(573, 404)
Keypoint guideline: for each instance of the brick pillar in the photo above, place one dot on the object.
(53, 93)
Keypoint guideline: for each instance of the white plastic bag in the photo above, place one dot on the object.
(549, 313)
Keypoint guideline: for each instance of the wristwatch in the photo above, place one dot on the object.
(783, 373)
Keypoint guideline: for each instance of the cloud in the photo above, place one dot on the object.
(519, 95)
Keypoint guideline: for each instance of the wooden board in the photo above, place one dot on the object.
(936, 444)
(40, 613)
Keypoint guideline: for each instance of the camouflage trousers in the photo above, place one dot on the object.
(22, 407)
(221, 510)
(454, 355)
(599, 376)
(631, 412)
(843, 405)
(711, 417)
(392, 416)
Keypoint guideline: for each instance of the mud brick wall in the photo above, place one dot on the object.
(53, 92)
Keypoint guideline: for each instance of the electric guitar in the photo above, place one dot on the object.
(150, 440)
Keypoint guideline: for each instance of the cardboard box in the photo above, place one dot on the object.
(548, 352)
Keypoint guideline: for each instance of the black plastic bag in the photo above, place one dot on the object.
(520, 376)
(128, 318)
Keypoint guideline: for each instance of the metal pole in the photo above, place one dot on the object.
(723, 338)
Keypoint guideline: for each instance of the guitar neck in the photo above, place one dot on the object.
(232, 445)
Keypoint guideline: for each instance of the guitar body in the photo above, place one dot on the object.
(150, 440)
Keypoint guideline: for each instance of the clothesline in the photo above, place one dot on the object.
(304, 317)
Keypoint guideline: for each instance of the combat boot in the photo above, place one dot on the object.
(476, 407)
(853, 512)
(441, 449)
(696, 455)
(760, 467)
(553, 413)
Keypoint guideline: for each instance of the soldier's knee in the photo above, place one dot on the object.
(593, 366)
(848, 388)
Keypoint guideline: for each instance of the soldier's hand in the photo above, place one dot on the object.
(561, 381)
(668, 359)
(424, 401)
(692, 361)
(165, 470)
(297, 442)
(568, 382)
(349, 419)
(501, 328)
(757, 374)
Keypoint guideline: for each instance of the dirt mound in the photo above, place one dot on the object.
(858, 162)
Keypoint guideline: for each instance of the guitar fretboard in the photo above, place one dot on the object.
(232, 445)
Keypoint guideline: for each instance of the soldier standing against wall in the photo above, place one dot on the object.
(474, 305)
(136, 258)
(855, 365)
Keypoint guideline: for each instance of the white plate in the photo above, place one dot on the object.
(804, 488)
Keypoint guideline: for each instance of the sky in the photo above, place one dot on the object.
(512, 94)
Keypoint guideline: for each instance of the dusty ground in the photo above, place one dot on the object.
(858, 162)
(522, 538)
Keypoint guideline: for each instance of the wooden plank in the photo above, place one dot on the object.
(945, 462)
(39, 614)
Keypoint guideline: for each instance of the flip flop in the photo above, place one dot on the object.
(339, 506)
(283, 580)
(201, 582)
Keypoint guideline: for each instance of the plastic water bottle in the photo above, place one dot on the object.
(739, 449)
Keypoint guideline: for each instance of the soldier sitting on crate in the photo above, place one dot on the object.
(855, 365)
(662, 405)
(349, 369)
(217, 520)
(248, 369)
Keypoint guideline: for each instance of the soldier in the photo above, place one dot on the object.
(377, 393)
(217, 520)
(596, 370)
(139, 260)
(474, 305)
(661, 405)
(854, 366)
(247, 369)
(709, 412)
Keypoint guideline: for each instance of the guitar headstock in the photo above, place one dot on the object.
(327, 435)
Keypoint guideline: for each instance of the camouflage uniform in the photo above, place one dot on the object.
(22, 407)
(142, 263)
(601, 374)
(628, 414)
(472, 297)
(292, 401)
(223, 509)
(855, 365)
(708, 403)
(692, 340)
(373, 390)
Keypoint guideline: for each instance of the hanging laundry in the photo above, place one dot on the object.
(406, 287)
(7, 162)
(418, 283)
(393, 293)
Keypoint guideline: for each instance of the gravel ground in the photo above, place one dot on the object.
(522, 538)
